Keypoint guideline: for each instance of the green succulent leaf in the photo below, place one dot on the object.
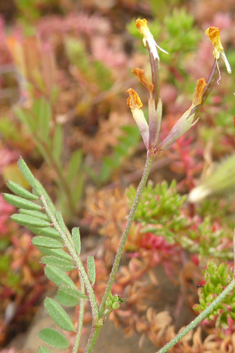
(58, 315)
(54, 338)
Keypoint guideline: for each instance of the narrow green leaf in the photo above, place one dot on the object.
(55, 261)
(60, 220)
(18, 201)
(91, 268)
(78, 188)
(19, 190)
(73, 292)
(27, 173)
(55, 252)
(46, 242)
(58, 315)
(47, 232)
(76, 239)
(54, 338)
(26, 118)
(66, 299)
(58, 276)
(43, 192)
(74, 165)
(26, 220)
(57, 142)
(43, 112)
(35, 214)
(43, 350)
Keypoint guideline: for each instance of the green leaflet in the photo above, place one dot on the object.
(19, 190)
(27, 174)
(18, 201)
(43, 350)
(46, 242)
(26, 220)
(55, 252)
(54, 338)
(55, 261)
(36, 214)
(58, 276)
(58, 315)
(76, 239)
(73, 292)
(66, 299)
(91, 268)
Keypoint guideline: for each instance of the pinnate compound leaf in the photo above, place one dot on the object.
(58, 315)
(18, 201)
(73, 292)
(58, 276)
(91, 268)
(55, 261)
(19, 190)
(66, 299)
(43, 350)
(25, 171)
(76, 239)
(54, 338)
(26, 220)
(46, 242)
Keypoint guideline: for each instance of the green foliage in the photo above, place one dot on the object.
(127, 144)
(73, 292)
(92, 71)
(38, 119)
(58, 277)
(76, 240)
(217, 277)
(58, 314)
(91, 268)
(54, 338)
(55, 261)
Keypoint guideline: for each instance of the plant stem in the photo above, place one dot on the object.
(69, 245)
(96, 328)
(80, 318)
(198, 319)
(126, 231)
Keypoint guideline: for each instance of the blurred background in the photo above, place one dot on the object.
(65, 66)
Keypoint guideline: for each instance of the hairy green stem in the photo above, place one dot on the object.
(126, 232)
(97, 327)
(80, 318)
(198, 319)
(76, 258)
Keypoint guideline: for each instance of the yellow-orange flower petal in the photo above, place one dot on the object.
(143, 79)
(142, 26)
(197, 98)
(214, 36)
(133, 101)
